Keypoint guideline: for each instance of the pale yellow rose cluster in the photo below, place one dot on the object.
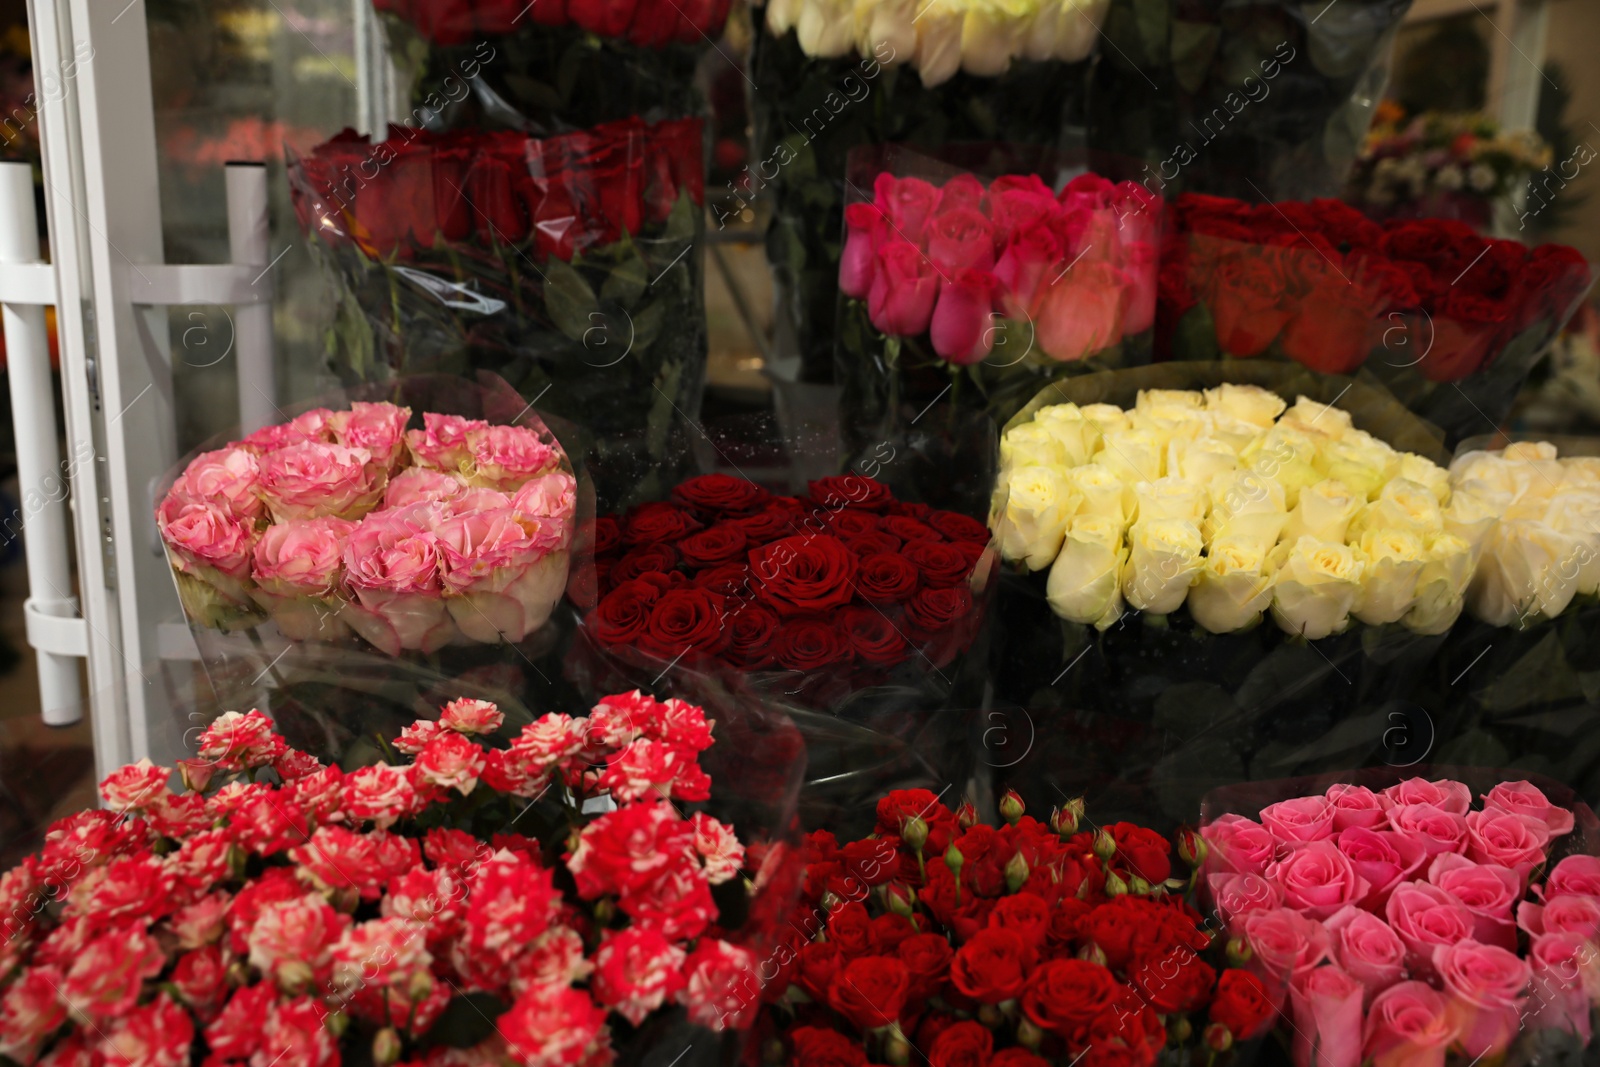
(1541, 514)
(1235, 504)
(941, 37)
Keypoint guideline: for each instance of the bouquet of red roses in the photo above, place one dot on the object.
(647, 23)
(280, 909)
(1420, 303)
(958, 943)
(562, 263)
(1400, 921)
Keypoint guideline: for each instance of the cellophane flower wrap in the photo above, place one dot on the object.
(1269, 99)
(1138, 663)
(1020, 944)
(568, 265)
(1432, 915)
(859, 613)
(575, 893)
(964, 293)
(832, 76)
(1450, 321)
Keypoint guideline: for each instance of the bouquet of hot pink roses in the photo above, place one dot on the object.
(1398, 925)
(455, 532)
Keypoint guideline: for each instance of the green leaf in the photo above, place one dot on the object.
(1196, 335)
(1193, 46)
(627, 280)
(681, 222)
(647, 326)
(568, 299)
(467, 1020)
(1152, 18)
(533, 91)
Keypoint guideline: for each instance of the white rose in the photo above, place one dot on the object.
(1441, 586)
(1471, 515)
(1107, 416)
(1324, 512)
(1040, 42)
(1200, 460)
(1245, 504)
(1170, 422)
(1063, 412)
(1425, 472)
(1156, 399)
(887, 22)
(1235, 431)
(824, 28)
(938, 54)
(1132, 455)
(1529, 451)
(1316, 585)
(1163, 558)
(1482, 470)
(1581, 471)
(1309, 416)
(1170, 498)
(1402, 503)
(1526, 570)
(1248, 403)
(1036, 444)
(782, 15)
(1234, 585)
(1078, 27)
(1391, 563)
(1103, 493)
(1039, 503)
(991, 35)
(1576, 513)
(1284, 454)
(1085, 584)
(1359, 460)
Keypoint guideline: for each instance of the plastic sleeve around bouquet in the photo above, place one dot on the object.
(973, 274)
(819, 94)
(338, 570)
(1144, 716)
(567, 265)
(1270, 99)
(1449, 321)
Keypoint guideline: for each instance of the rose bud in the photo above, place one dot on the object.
(1115, 886)
(900, 899)
(772, 1053)
(1065, 819)
(914, 832)
(238, 973)
(954, 859)
(1105, 846)
(1138, 886)
(337, 1023)
(1011, 807)
(1239, 953)
(1180, 1030)
(386, 1046)
(1017, 872)
(196, 773)
(991, 1016)
(1191, 847)
(1029, 1035)
(966, 815)
(1218, 1038)
(1092, 953)
(897, 1050)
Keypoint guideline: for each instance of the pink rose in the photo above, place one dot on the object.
(202, 537)
(1021, 208)
(865, 230)
(1564, 979)
(1356, 805)
(1486, 985)
(1524, 798)
(1139, 275)
(314, 425)
(30, 1010)
(1409, 1025)
(1575, 874)
(1299, 821)
(1515, 841)
(450, 761)
(1368, 948)
(505, 457)
(718, 980)
(1285, 943)
(378, 428)
(964, 190)
(505, 573)
(392, 562)
(1487, 890)
(227, 478)
(1089, 191)
(1031, 256)
(1318, 879)
(310, 480)
(960, 239)
(441, 444)
(962, 327)
(1239, 894)
(906, 203)
(1383, 857)
(1326, 1005)
(1426, 917)
(1079, 312)
(475, 500)
(1444, 794)
(903, 290)
(419, 484)
(1139, 213)
(552, 496)
(302, 557)
(1238, 845)
(1570, 914)
(1435, 829)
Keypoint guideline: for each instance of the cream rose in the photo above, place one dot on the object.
(992, 33)
(1441, 585)
(823, 29)
(1403, 502)
(1285, 455)
(1246, 504)
(886, 22)
(1527, 569)
(1200, 460)
(1170, 498)
(1153, 399)
(1317, 583)
(1248, 403)
(1104, 495)
(1107, 416)
(1471, 515)
(1576, 513)
(1425, 472)
(1359, 460)
(1391, 563)
(1310, 416)
(938, 54)
(1039, 504)
(1233, 586)
(1324, 512)
(1085, 584)
(1163, 558)
(1037, 444)
(1132, 455)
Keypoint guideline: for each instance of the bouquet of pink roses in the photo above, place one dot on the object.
(281, 910)
(1399, 927)
(456, 532)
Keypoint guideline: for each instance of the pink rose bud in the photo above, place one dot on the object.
(1488, 987)
(1367, 948)
(903, 290)
(1435, 829)
(1089, 190)
(865, 231)
(1079, 312)
(1487, 890)
(1239, 845)
(310, 426)
(202, 537)
(419, 484)
(1019, 208)
(1326, 1005)
(441, 444)
(1318, 880)
(1575, 874)
(1356, 805)
(1510, 840)
(1570, 914)
(552, 496)
(1139, 273)
(1299, 821)
(1285, 944)
(302, 557)
(505, 457)
(960, 239)
(227, 478)
(962, 328)
(1524, 798)
(906, 203)
(1445, 794)
(964, 190)
(1565, 977)
(1409, 1025)
(1384, 858)
(1237, 895)
(1426, 917)
(310, 480)
(1032, 257)
(378, 428)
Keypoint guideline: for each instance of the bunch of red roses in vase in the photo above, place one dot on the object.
(280, 909)
(943, 940)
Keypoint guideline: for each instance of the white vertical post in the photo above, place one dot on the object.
(41, 476)
(249, 243)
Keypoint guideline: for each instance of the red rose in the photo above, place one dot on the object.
(933, 611)
(721, 494)
(927, 959)
(806, 644)
(873, 543)
(775, 520)
(622, 614)
(730, 579)
(654, 523)
(1242, 1004)
(1026, 913)
(1064, 919)
(910, 530)
(647, 559)
(1466, 331)
(870, 991)
(1247, 300)
(851, 929)
(906, 202)
(719, 544)
(495, 182)
(1335, 328)
(819, 962)
(940, 562)
(851, 491)
(966, 1044)
(684, 619)
(960, 239)
(851, 522)
(1558, 276)
(654, 23)
(900, 805)
(1127, 1034)
(607, 534)
(751, 628)
(1065, 996)
(818, 1047)
(965, 919)
(1017, 1057)
(890, 931)
(874, 637)
(988, 968)
(1142, 852)
(805, 574)
(959, 527)
(1178, 981)
(1435, 242)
